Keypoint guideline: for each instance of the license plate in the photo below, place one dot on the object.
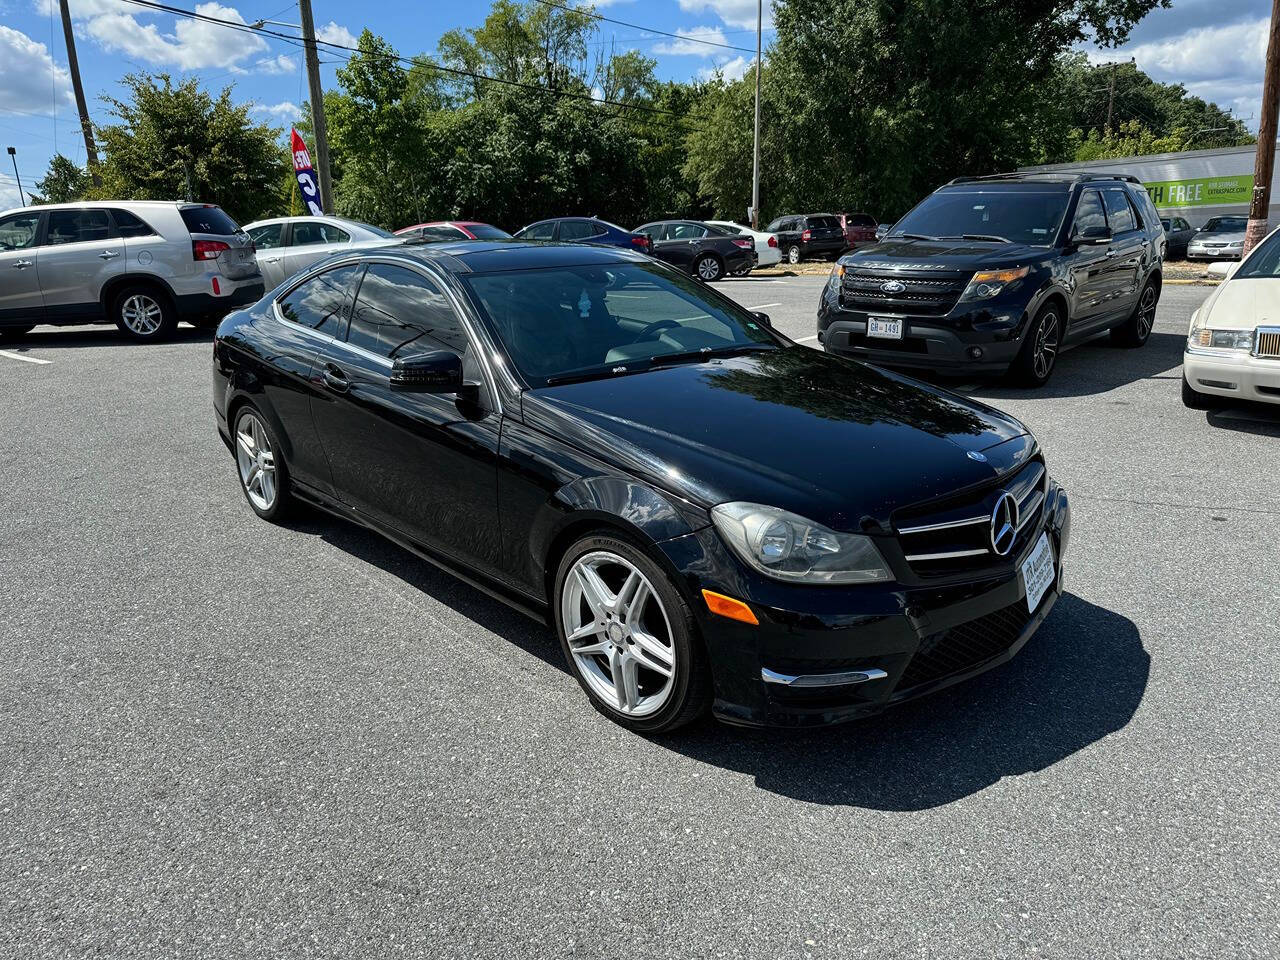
(1037, 572)
(884, 327)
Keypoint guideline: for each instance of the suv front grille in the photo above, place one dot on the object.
(954, 536)
(966, 646)
(933, 296)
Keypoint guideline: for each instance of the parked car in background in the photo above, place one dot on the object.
(859, 229)
(700, 249)
(767, 250)
(711, 517)
(1177, 234)
(1233, 345)
(143, 265)
(584, 230)
(288, 244)
(453, 230)
(808, 236)
(1221, 238)
(998, 274)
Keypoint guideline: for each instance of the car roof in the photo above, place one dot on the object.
(486, 256)
(110, 204)
(1065, 177)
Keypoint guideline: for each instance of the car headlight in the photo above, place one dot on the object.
(991, 283)
(785, 546)
(1221, 339)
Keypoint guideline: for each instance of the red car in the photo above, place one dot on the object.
(859, 228)
(454, 230)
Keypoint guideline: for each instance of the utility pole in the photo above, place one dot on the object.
(755, 158)
(1111, 98)
(1264, 163)
(73, 63)
(317, 105)
(13, 155)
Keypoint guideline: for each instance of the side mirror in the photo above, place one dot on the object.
(437, 372)
(1094, 235)
(1222, 269)
(762, 318)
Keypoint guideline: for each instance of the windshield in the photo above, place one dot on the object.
(1028, 214)
(376, 231)
(482, 231)
(1263, 262)
(1226, 225)
(583, 322)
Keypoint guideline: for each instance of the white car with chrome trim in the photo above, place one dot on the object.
(1233, 345)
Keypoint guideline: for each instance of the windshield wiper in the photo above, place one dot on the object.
(979, 236)
(912, 236)
(590, 373)
(707, 353)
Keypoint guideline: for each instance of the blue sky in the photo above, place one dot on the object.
(1216, 48)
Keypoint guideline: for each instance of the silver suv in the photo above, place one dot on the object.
(143, 265)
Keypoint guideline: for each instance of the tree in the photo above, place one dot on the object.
(64, 182)
(177, 141)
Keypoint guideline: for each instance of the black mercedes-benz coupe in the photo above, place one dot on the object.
(708, 513)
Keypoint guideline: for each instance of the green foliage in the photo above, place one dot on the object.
(178, 141)
(64, 182)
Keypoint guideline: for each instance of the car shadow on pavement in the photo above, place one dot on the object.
(99, 336)
(1078, 680)
(1256, 418)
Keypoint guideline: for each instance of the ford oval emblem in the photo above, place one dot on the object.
(975, 455)
(893, 286)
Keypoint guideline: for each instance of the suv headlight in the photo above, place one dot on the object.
(991, 283)
(785, 546)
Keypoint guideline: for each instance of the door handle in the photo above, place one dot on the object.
(335, 379)
(21, 264)
(108, 255)
(270, 259)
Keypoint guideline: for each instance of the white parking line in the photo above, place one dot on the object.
(806, 339)
(18, 356)
(763, 305)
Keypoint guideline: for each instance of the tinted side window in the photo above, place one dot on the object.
(862, 220)
(578, 230)
(686, 231)
(399, 312)
(306, 233)
(1089, 213)
(823, 223)
(129, 226)
(1118, 212)
(19, 231)
(539, 231)
(774, 227)
(441, 232)
(267, 236)
(78, 226)
(208, 220)
(318, 303)
(651, 230)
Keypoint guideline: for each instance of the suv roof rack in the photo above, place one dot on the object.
(1070, 176)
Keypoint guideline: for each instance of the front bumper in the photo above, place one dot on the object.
(905, 641)
(1237, 375)
(1195, 252)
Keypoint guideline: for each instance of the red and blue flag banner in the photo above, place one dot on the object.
(306, 176)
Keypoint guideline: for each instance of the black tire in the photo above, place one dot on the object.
(14, 334)
(709, 268)
(794, 254)
(690, 695)
(1038, 357)
(282, 503)
(144, 313)
(1193, 399)
(1136, 330)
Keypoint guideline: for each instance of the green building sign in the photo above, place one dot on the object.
(1201, 192)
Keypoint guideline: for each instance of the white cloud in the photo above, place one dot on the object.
(9, 197)
(731, 70)
(285, 110)
(275, 66)
(688, 45)
(736, 13)
(333, 33)
(31, 82)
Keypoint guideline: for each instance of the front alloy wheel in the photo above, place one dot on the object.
(1040, 351)
(628, 636)
(709, 269)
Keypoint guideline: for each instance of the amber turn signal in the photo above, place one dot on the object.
(724, 606)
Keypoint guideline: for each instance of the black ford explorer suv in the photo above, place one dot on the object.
(996, 274)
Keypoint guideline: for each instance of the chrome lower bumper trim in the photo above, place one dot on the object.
(843, 679)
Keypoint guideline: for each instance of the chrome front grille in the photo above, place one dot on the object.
(1266, 343)
(933, 296)
(955, 536)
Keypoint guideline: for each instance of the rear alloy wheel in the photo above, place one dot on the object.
(1135, 331)
(710, 268)
(1039, 354)
(629, 637)
(263, 477)
(143, 314)
(793, 254)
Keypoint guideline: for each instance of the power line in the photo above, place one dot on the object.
(420, 61)
(636, 26)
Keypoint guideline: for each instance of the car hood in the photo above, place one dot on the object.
(1218, 237)
(1242, 304)
(831, 439)
(960, 255)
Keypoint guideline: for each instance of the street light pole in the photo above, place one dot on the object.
(1264, 163)
(13, 155)
(317, 105)
(755, 159)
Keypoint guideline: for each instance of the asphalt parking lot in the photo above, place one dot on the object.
(223, 738)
